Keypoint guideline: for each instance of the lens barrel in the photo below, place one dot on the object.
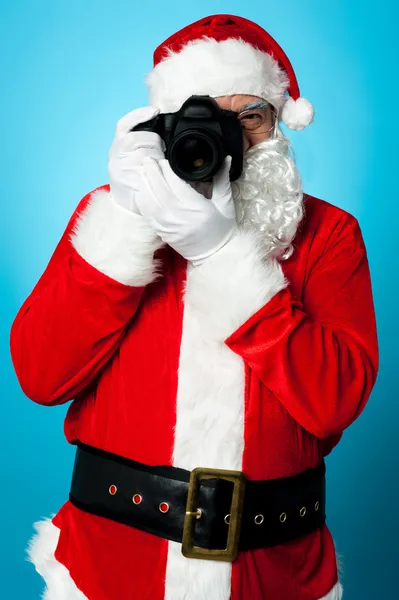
(195, 154)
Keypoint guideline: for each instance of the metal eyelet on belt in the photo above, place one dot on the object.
(137, 499)
(164, 507)
(259, 519)
(317, 505)
(112, 489)
(302, 512)
(227, 519)
(283, 517)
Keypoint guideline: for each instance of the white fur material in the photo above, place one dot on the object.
(221, 294)
(208, 67)
(297, 114)
(116, 241)
(41, 549)
(335, 593)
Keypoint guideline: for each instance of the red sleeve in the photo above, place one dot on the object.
(75, 317)
(319, 357)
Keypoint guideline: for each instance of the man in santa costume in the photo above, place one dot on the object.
(228, 326)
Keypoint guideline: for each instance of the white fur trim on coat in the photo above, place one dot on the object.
(41, 549)
(335, 593)
(116, 241)
(221, 294)
(208, 67)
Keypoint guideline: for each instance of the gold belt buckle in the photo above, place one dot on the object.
(194, 512)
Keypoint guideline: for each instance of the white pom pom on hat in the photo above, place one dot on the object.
(297, 114)
(223, 55)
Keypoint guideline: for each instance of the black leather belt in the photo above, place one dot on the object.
(213, 513)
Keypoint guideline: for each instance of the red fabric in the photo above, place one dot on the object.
(74, 307)
(311, 358)
(223, 27)
(319, 356)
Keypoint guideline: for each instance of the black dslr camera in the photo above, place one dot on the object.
(198, 137)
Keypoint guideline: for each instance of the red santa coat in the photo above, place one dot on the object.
(235, 364)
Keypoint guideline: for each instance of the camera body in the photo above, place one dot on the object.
(198, 137)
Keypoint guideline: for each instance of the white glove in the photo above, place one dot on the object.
(127, 153)
(191, 224)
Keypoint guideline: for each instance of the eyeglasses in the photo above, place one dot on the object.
(256, 120)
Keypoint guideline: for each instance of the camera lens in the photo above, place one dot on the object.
(194, 155)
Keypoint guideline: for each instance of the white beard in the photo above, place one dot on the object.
(268, 195)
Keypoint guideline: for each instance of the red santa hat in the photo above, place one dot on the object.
(223, 55)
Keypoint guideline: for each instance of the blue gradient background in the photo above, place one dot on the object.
(70, 70)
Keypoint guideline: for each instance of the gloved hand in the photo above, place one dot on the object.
(191, 224)
(127, 153)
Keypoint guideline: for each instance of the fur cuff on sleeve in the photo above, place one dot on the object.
(116, 241)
